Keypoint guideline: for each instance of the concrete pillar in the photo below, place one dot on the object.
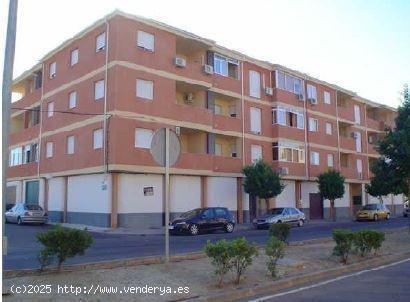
(298, 194)
(392, 204)
(65, 198)
(114, 200)
(46, 185)
(364, 195)
(239, 200)
(203, 191)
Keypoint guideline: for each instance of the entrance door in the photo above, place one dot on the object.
(316, 206)
(32, 191)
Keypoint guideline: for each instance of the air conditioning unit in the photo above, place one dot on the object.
(208, 69)
(269, 90)
(300, 97)
(313, 101)
(189, 98)
(179, 62)
(178, 130)
(283, 171)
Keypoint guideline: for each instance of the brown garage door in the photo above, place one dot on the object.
(316, 206)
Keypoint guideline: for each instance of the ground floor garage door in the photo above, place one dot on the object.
(315, 206)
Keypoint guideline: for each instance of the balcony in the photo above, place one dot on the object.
(293, 169)
(346, 114)
(350, 173)
(347, 143)
(227, 164)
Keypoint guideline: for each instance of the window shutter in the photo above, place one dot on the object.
(99, 89)
(254, 84)
(145, 89)
(256, 153)
(98, 139)
(210, 58)
(255, 120)
(143, 138)
(358, 139)
(357, 114)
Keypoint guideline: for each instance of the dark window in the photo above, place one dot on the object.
(220, 213)
(209, 213)
(32, 207)
(293, 211)
(275, 151)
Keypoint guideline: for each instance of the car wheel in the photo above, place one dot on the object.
(375, 217)
(19, 221)
(300, 223)
(229, 227)
(388, 216)
(194, 230)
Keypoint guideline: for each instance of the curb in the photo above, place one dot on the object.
(277, 286)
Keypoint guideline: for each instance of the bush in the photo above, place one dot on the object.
(242, 253)
(63, 243)
(275, 250)
(44, 257)
(221, 257)
(344, 243)
(280, 231)
(377, 239)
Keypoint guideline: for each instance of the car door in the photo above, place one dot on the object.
(13, 213)
(207, 221)
(286, 216)
(294, 215)
(220, 218)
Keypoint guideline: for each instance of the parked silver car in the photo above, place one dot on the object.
(278, 215)
(26, 213)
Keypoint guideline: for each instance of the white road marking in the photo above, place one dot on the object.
(328, 281)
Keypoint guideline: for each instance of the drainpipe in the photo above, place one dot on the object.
(367, 140)
(243, 118)
(338, 134)
(306, 129)
(41, 123)
(107, 31)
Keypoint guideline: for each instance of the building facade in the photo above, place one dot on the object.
(82, 127)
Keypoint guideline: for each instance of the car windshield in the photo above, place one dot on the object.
(191, 214)
(276, 211)
(370, 207)
(32, 207)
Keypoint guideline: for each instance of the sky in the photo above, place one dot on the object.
(360, 45)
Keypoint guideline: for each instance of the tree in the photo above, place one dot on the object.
(382, 180)
(331, 186)
(395, 149)
(262, 181)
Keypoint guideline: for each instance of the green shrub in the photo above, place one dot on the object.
(63, 243)
(242, 253)
(377, 240)
(367, 240)
(221, 257)
(44, 257)
(280, 231)
(344, 243)
(275, 250)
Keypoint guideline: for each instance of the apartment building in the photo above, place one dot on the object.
(82, 127)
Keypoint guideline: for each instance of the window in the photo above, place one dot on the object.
(313, 124)
(72, 99)
(256, 122)
(100, 42)
(256, 153)
(358, 141)
(356, 114)
(74, 57)
(288, 83)
(288, 117)
(218, 109)
(30, 153)
(148, 191)
(359, 166)
(49, 149)
(226, 66)
(326, 97)
(311, 92)
(53, 70)
(145, 40)
(99, 89)
(314, 158)
(328, 128)
(98, 139)
(254, 84)
(330, 160)
(16, 156)
(218, 149)
(50, 109)
(70, 144)
(143, 138)
(34, 116)
(145, 89)
(288, 152)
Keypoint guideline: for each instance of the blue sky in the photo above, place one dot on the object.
(361, 45)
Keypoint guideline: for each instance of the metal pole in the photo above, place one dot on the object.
(166, 194)
(7, 82)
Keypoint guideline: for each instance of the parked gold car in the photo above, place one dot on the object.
(373, 212)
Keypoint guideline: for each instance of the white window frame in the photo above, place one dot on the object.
(326, 97)
(144, 89)
(357, 114)
(296, 82)
(254, 84)
(49, 149)
(98, 138)
(53, 70)
(139, 143)
(146, 41)
(329, 128)
(99, 90)
(314, 158)
(330, 160)
(313, 121)
(100, 42)
(255, 127)
(358, 141)
(70, 144)
(50, 109)
(256, 153)
(72, 99)
(74, 56)
(218, 149)
(220, 65)
(359, 165)
(218, 109)
(311, 92)
(16, 156)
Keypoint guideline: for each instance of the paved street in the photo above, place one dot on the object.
(388, 283)
(23, 248)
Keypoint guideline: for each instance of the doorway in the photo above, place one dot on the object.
(315, 206)
(32, 189)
